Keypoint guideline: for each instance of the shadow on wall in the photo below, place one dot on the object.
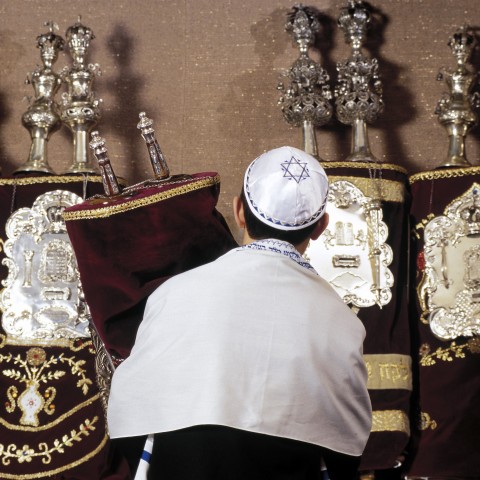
(250, 105)
(122, 119)
(9, 64)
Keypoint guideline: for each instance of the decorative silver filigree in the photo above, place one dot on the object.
(455, 110)
(358, 93)
(41, 299)
(352, 253)
(42, 117)
(452, 268)
(306, 94)
(80, 109)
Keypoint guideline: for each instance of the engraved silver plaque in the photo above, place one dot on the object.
(452, 268)
(42, 295)
(352, 253)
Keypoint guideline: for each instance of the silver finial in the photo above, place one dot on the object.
(42, 117)
(80, 109)
(455, 110)
(358, 93)
(305, 90)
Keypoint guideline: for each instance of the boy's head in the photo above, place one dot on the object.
(284, 196)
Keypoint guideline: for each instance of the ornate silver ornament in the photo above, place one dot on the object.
(352, 253)
(80, 110)
(452, 268)
(358, 94)
(42, 296)
(306, 94)
(42, 117)
(456, 109)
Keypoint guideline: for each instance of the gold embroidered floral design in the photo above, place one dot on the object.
(45, 451)
(429, 358)
(427, 422)
(34, 371)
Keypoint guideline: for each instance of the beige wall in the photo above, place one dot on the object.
(206, 71)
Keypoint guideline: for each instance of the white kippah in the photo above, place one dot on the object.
(286, 188)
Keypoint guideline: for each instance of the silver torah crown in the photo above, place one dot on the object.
(306, 94)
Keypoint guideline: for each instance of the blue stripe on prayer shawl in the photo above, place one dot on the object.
(146, 456)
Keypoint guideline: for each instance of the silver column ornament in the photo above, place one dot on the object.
(80, 109)
(157, 159)
(455, 110)
(358, 93)
(306, 94)
(42, 117)
(109, 179)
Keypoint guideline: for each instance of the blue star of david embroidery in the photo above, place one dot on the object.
(294, 169)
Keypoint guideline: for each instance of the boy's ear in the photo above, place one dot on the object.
(321, 226)
(238, 212)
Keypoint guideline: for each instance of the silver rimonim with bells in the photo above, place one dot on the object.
(42, 117)
(80, 109)
(306, 94)
(455, 110)
(358, 93)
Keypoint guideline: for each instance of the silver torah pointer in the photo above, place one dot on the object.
(157, 159)
(80, 109)
(358, 93)
(306, 95)
(109, 179)
(455, 110)
(42, 117)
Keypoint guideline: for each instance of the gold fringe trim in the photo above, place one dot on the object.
(390, 421)
(9, 476)
(368, 165)
(391, 191)
(104, 212)
(389, 371)
(444, 173)
(60, 419)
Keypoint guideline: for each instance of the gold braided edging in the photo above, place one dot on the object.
(51, 179)
(388, 371)
(368, 165)
(391, 191)
(444, 173)
(48, 473)
(104, 212)
(390, 421)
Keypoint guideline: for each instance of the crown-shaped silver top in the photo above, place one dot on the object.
(50, 44)
(462, 43)
(78, 39)
(302, 21)
(354, 20)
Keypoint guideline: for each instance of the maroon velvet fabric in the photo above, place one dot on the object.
(127, 247)
(448, 443)
(387, 327)
(88, 456)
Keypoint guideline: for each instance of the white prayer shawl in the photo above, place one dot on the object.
(253, 341)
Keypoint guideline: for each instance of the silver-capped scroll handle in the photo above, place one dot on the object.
(159, 164)
(110, 182)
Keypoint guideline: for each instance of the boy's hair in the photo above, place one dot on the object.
(258, 230)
